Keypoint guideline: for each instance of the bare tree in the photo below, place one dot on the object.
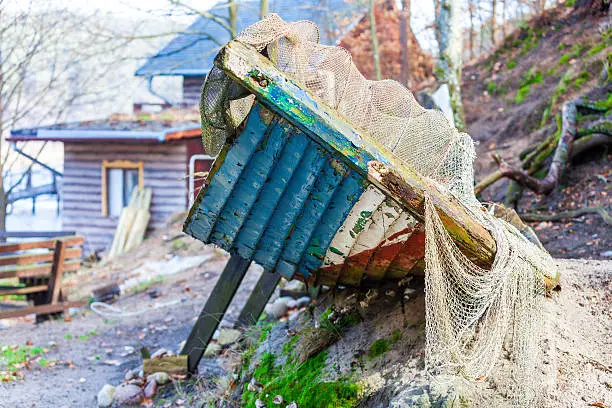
(472, 28)
(449, 33)
(263, 8)
(43, 51)
(374, 38)
(405, 51)
(493, 22)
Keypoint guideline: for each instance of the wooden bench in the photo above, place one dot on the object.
(38, 268)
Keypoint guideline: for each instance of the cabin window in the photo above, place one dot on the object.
(119, 178)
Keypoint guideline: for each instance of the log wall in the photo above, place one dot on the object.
(192, 87)
(165, 171)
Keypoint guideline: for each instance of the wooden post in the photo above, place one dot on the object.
(214, 310)
(55, 280)
(258, 299)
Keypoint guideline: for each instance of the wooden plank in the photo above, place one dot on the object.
(234, 159)
(214, 310)
(256, 303)
(249, 184)
(33, 271)
(46, 244)
(24, 259)
(36, 234)
(290, 206)
(367, 242)
(166, 364)
(341, 204)
(57, 270)
(330, 178)
(14, 290)
(372, 160)
(353, 228)
(270, 195)
(41, 310)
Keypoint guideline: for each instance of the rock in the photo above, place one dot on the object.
(212, 350)
(128, 394)
(254, 386)
(136, 381)
(160, 378)
(132, 374)
(303, 301)
(606, 254)
(151, 389)
(278, 400)
(215, 336)
(292, 405)
(294, 289)
(292, 304)
(161, 353)
(105, 396)
(259, 404)
(277, 309)
(284, 299)
(228, 336)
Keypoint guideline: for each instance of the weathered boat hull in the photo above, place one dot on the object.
(279, 198)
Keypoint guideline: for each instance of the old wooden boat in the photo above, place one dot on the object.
(304, 194)
(308, 196)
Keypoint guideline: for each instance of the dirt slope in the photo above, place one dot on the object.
(511, 99)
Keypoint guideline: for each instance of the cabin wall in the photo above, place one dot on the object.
(192, 87)
(165, 170)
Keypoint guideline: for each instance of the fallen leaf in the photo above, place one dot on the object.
(598, 404)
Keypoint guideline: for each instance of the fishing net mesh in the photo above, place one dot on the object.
(471, 313)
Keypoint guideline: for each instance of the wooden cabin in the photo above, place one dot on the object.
(103, 162)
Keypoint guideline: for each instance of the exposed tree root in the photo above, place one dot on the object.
(606, 217)
(563, 146)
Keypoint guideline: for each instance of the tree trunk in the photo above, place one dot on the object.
(471, 11)
(405, 51)
(504, 19)
(263, 9)
(494, 23)
(3, 207)
(450, 41)
(374, 38)
(232, 17)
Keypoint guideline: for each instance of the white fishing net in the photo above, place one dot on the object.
(471, 313)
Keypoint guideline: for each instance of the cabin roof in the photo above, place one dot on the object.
(191, 53)
(118, 129)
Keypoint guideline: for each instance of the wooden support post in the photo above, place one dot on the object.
(214, 310)
(258, 299)
(55, 280)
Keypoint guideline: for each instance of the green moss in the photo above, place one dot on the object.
(494, 89)
(570, 3)
(596, 49)
(582, 77)
(564, 59)
(396, 335)
(522, 93)
(511, 64)
(288, 346)
(303, 383)
(605, 104)
(381, 346)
